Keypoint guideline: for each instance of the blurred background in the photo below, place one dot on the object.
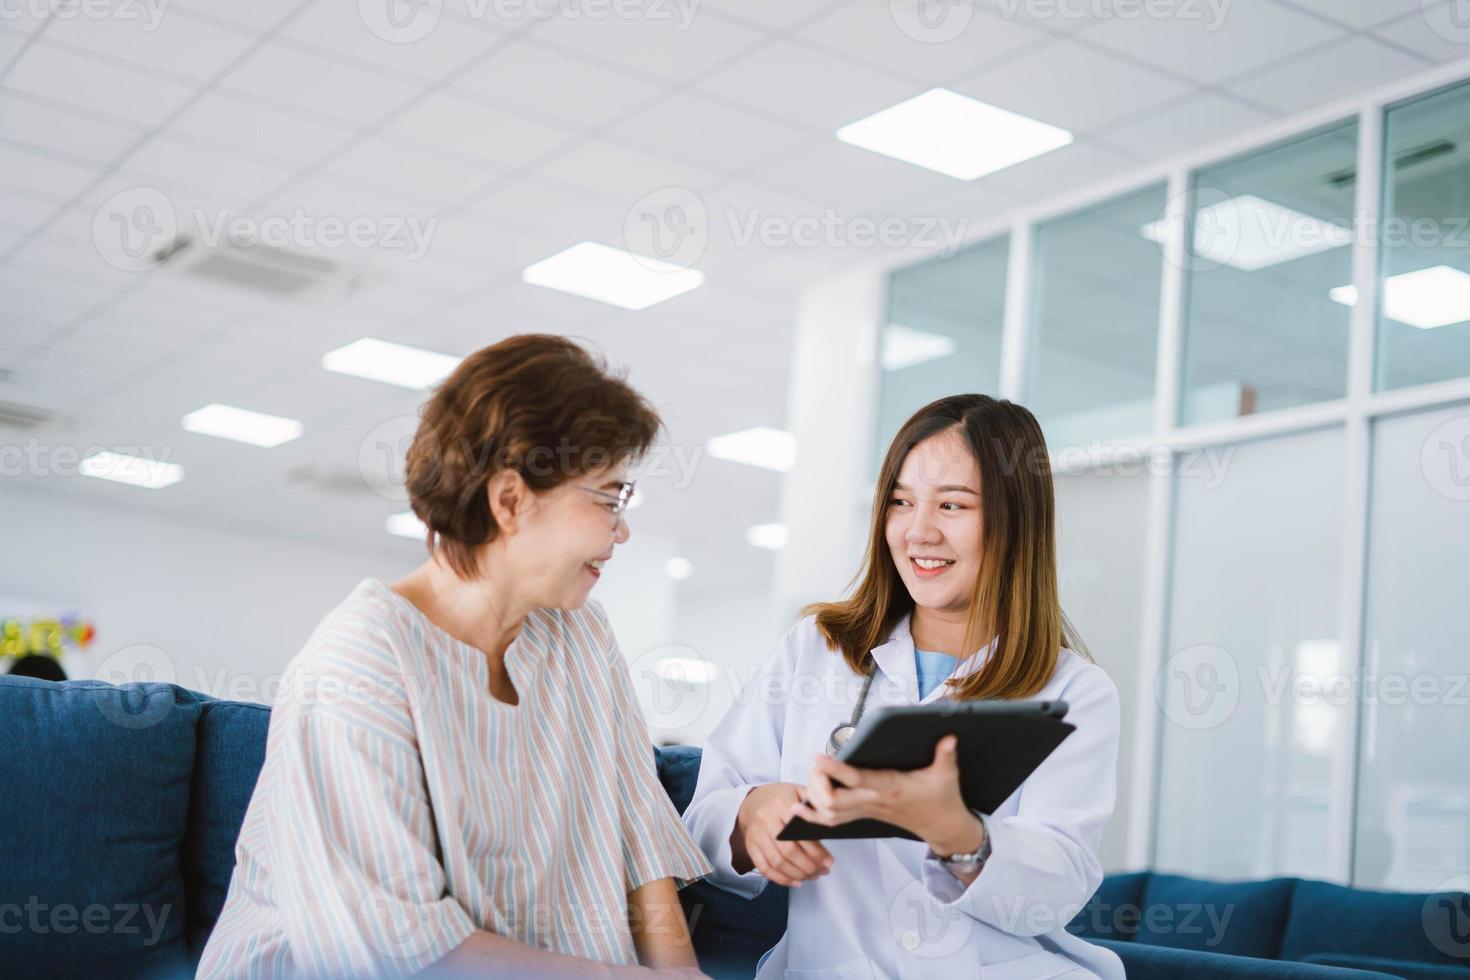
(1220, 249)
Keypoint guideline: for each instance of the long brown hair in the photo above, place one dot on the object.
(1016, 597)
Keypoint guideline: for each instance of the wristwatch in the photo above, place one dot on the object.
(967, 863)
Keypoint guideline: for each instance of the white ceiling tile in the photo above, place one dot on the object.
(1361, 13)
(535, 80)
(615, 172)
(1354, 65)
(850, 178)
(42, 174)
(670, 40)
(1054, 18)
(738, 218)
(339, 28)
(413, 172)
(242, 122)
(1102, 86)
(774, 15)
(324, 195)
(185, 46)
(1248, 37)
(777, 80)
(1195, 121)
(176, 160)
(541, 205)
(294, 78)
(1060, 171)
(52, 72)
(51, 126)
(20, 210)
(872, 33)
(468, 127)
(719, 135)
(1440, 33)
(259, 14)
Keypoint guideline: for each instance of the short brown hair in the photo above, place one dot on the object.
(535, 403)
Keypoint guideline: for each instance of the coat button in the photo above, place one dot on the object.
(910, 941)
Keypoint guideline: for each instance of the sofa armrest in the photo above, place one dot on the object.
(1144, 962)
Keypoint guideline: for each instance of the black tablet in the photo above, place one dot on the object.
(1000, 743)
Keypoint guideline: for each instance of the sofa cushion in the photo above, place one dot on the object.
(1114, 909)
(1424, 928)
(230, 752)
(730, 932)
(1394, 968)
(1242, 918)
(94, 807)
(1142, 962)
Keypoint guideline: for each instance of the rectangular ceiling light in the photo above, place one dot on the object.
(611, 275)
(242, 425)
(1425, 298)
(953, 134)
(772, 449)
(405, 524)
(394, 364)
(904, 347)
(153, 474)
(1250, 233)
(772, 537)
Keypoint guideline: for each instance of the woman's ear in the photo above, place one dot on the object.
(507, 495)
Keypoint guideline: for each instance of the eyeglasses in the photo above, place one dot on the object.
(617, 501)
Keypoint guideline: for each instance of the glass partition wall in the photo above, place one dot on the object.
(1254, 379)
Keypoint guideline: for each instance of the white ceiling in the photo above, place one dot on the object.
(524, 137)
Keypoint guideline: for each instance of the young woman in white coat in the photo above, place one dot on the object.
(957, 599)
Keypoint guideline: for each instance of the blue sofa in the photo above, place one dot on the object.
(121, 805)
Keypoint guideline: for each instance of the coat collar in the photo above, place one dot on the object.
(895, 659)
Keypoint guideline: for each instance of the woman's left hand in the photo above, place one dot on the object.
(925, 802)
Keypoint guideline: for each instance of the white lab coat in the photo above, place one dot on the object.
(885, 910)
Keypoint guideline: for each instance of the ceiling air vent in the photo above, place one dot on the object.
(1411, 157)
(341, 481)
(266, 270)
(14, 415)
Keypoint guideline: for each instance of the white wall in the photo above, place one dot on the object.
(221, 610)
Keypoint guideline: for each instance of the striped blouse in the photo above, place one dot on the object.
(402, 807)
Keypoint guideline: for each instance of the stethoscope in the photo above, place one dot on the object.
(842, 733)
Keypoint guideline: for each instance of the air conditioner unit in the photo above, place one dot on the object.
(263, 270)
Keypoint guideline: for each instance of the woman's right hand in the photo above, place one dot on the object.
(753, 844)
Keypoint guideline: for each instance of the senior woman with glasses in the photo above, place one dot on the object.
(457, 778)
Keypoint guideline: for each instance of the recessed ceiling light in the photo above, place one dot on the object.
(394, 364)
(405, 525)
(773, 449)
(905, 347)
(686, 670)
(242, 425)
(1249, 233)
(769, 536)
(1426, 298)
(611, 275)
(122, 468)
(953, 134)
(678, 569)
